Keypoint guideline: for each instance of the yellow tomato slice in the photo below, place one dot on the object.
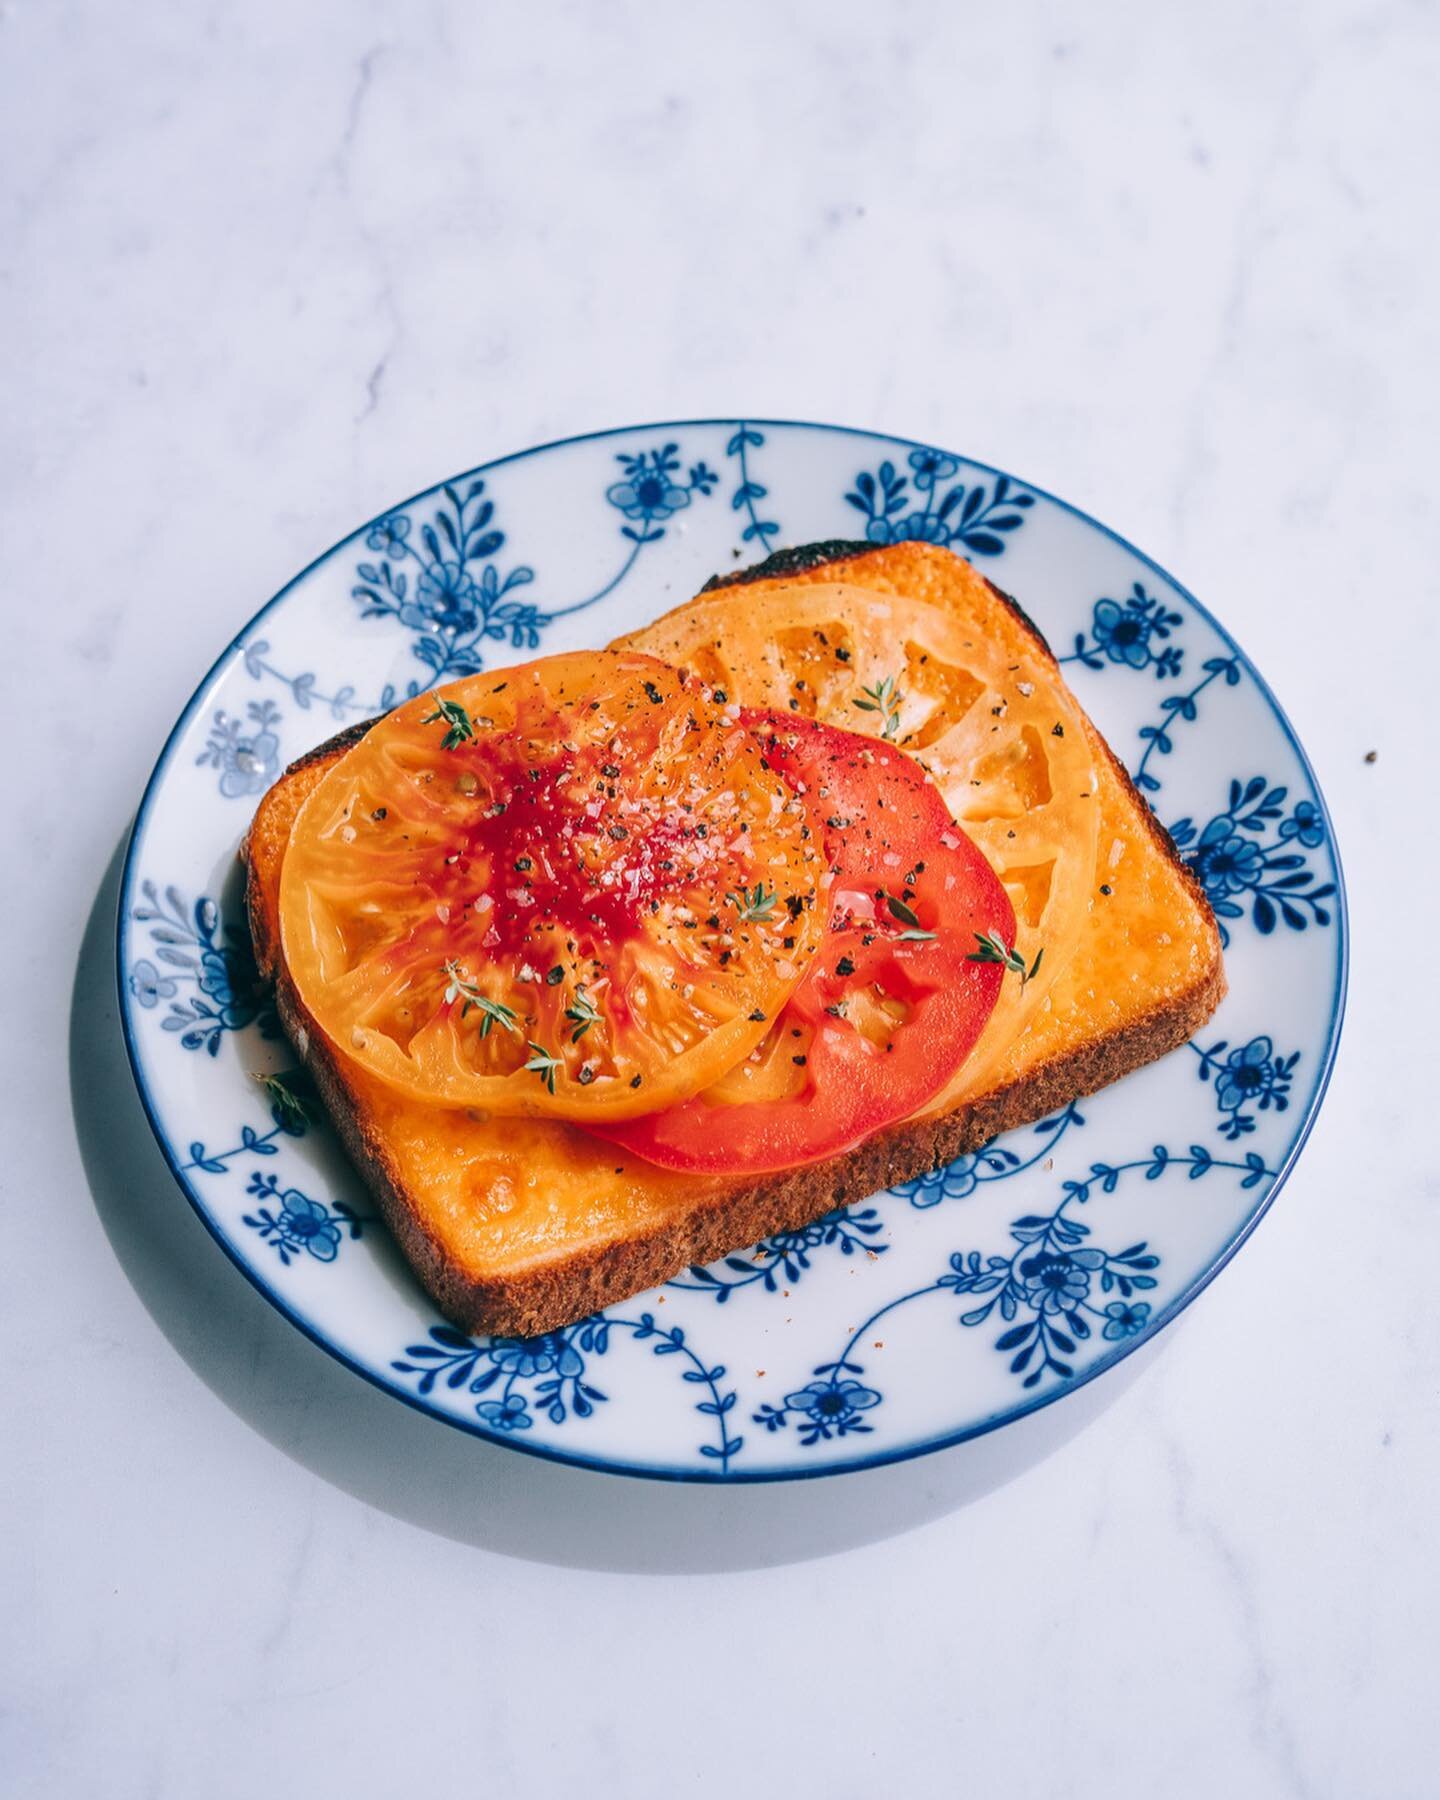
(993, 726)
(570, 889)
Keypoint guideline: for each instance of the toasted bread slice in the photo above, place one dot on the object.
(520, 1226)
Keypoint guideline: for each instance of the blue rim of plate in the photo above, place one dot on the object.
(944, 1440)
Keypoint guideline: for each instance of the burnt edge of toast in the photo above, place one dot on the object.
(802, 559)
(545, 1298)
(341, 742)
(799, 560)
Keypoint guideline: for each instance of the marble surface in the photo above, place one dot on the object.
(264, 269)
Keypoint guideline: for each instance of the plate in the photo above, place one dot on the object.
(916, 1318)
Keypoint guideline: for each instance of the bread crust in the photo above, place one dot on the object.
(545, 1297)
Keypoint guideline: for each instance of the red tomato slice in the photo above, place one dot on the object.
(892, 1005)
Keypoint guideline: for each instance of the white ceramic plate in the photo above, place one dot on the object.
(923, 1315)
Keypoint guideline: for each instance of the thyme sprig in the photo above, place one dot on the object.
(460, 726)
(582, 1014)
(289, 1096)
(754, 905)
(884, 698)
(543, 1064)
(493, 1012)
(906, 914)
(993, 951)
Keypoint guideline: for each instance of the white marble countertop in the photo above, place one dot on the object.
(264, 269)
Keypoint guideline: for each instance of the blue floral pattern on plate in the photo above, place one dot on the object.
(246, 752)
(970, 515)
(1133, 634)
(1048, 1281)
(442, 581)
(295, 1225)
(1254, 854)
(1249, 1080)
(1020, 1269)
(550, 1374)
(209, 967)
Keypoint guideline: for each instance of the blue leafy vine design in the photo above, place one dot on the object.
(1255, 852)
(293, 1224)
(1044, 1291)
(1178, 709)
(1251, 1075)
(207, 971)
(287, 1123)
(1127, 634)
(550, 1374)
(972, 515)
(786, 1256)
(759, 531)
(992, 1162)
(302, 687)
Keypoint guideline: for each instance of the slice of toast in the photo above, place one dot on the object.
(520, 1226)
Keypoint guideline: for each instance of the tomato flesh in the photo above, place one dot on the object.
(582, 905)
(891, 1006)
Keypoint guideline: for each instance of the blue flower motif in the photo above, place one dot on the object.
(932, 466)
(1225, 860)
(247, 755)
(215, 978)
(955, 1181)
(537, 1356)
(293, 1222)
(832, 1399)
(916, 527)
(649, 494)
(509, 1414)
(1247, 1078)
(148, 985)
(1232, 855)
(221, 978)
(446, 599)
(1058, 1281)
(1306, 824)
(832, 1405)
(308, 1225)
(1123, 633)
(1127, 635)
(454, 597)
(1122, 1320)
(651, 490)
(972, 515)
(388, 535)
(1250, 1076)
